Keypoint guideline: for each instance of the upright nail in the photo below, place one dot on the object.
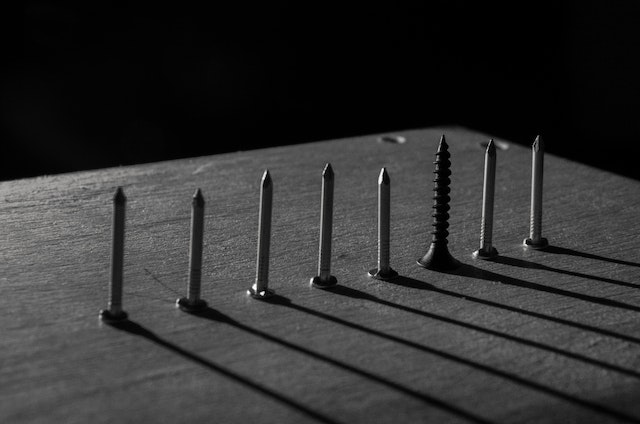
(487, 251)
(438, 257)
(324, 279)
(114, 312)
(384, 270)
(535, 239)
(260, 290)
(192, 302)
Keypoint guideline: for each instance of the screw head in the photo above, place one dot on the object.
(261, 295)
(384, 276)
(484, 254)
(539, 245)
(319, 284)
(109, 317)
(187, 306)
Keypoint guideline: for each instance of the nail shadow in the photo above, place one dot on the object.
(532, 265)
(353, 293)
(285, 302)
(471, 271)
(136, 329)
(564, 251)
(214, 315)
(421, 285)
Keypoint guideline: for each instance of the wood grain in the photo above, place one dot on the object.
(532, 337)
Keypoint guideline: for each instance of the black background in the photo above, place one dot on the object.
(104, 83)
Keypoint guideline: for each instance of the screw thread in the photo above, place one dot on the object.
(441, 196)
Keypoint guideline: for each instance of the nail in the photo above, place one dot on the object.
(438, 257)
(487, 251)
(260, 290)
(324, 279)
(114, 312)
(192, 302)
(535, 239)
(384, 270)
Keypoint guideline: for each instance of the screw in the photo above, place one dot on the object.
(438, 257)
(260, 289)
(114, 313)
(192, 302)
(487, 251)
(384, 271)
(535, 239)
(324, 279)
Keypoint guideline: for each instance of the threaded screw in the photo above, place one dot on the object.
(438, 257)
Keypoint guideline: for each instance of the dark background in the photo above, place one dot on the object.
(102, 84)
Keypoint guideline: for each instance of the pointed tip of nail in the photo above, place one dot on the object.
(266, 178)
(443, 144)
(538, 144)
(198, 198)
(383, 178)
(491, 148)
(119, 197)
(327, 172)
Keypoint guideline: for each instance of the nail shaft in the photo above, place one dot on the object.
(115, 311)
(487, 250)
(193, 302)
(195, 250)
(326, 225)
(324, 278)
(261, 287)
(384, 271)
(535, 239)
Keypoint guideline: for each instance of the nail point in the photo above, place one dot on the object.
(119, 197)
(384, 177)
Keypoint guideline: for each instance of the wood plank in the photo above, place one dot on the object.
(534, 336)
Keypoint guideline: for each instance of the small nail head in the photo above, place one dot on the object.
(319, 284)
(109, 317)
(539, 245)
(261, 295)
(187, 306)
(384, 276)
(484, 254)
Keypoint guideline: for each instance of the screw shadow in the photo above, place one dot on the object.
(564, 251)
(421, 285)
(353, 293)
(136, 329)
(278, 300)
(466, 270)
(521, 263)
(285, 302)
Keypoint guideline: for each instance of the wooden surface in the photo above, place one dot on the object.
(533, 337)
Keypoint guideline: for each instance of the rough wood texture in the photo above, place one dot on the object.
(533, 337)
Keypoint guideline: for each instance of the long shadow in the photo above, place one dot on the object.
(138, 330)
(282, 301)
(217, 316)
(564, 251)
(421, 285)
(532, 265)
(353, 293)
(471, 271)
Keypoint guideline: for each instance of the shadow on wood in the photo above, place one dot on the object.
(278, 300)
(136, 329)
(564, 251)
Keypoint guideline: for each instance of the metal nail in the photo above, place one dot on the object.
(535, 239)
(324, 279)
(384, 270)
(260, 289)
(487, 251)
(114, 312)
(193, 302)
